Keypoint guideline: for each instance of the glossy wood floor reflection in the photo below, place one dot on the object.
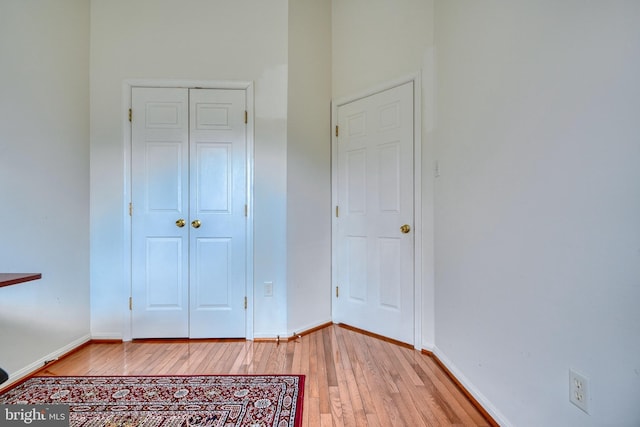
(352, 379)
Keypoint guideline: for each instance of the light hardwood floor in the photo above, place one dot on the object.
(352, 379)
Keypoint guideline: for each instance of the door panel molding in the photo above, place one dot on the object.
(388, 120)
(127, 86)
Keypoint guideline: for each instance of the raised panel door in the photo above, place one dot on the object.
(375, 268)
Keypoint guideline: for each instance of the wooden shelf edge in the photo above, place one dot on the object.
(8, 279)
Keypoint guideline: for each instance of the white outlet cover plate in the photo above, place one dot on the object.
(268, 289)
(579, 390)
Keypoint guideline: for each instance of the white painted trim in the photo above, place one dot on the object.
(127, 86)
(250, 174)
(468, 385)
(190, 84)
(417, 178)
(54, 355)
(126, 228)
(334, 203)
(428, 192)
(376, 89)
(417, 209)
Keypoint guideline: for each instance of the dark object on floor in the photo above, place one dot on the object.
(3, 375)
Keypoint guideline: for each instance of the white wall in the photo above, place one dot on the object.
(189, 40)
(538, 205)
(44, 179)
(376, 42)
(309, 166)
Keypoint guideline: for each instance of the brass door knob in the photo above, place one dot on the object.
(196, 223)
(405, 228)
(180, 223)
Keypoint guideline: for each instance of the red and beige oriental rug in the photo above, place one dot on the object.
(168, 401)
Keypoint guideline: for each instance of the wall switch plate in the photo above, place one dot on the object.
(268, 289)
(579, 390)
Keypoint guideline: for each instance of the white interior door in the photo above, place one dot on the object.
(375, 255)
(160, 186)
(217, 200)
(188, 215)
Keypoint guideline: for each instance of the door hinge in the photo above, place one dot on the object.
(337, 211)
(130, 209)
(130, 114)
(336, 128)
(337, 291)
(246, 117)
(245, 303)
(246, 210)
(130, 303)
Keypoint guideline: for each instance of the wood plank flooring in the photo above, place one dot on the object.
(352, 379)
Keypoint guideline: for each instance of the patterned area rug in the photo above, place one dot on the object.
(168, 401)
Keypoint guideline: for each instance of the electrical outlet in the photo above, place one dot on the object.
(579, 390)
(268, 289)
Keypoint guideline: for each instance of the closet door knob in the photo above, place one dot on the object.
(196, 223)
(180, 223)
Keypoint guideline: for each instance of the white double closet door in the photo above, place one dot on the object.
(189, 224)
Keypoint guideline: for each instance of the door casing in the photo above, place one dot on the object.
(417, 163)
(126, 136)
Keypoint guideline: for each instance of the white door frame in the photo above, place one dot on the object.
(126, 135)
(417, 188)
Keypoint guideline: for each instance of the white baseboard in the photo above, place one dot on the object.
(38, 364)
(471, 389)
